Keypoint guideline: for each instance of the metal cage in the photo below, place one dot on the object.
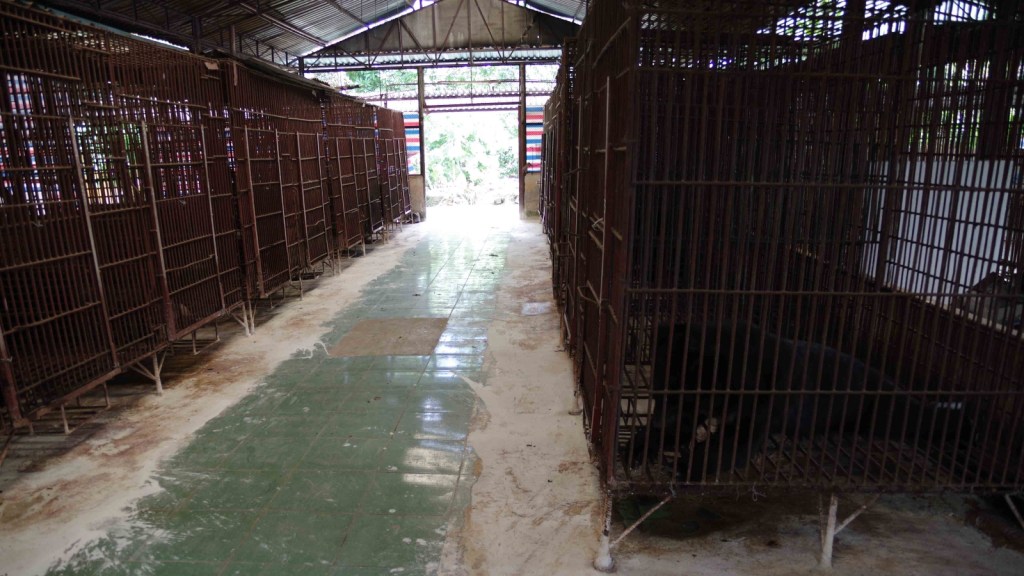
(795, 242)
(346, 119)
(146, 192)
(283, 213)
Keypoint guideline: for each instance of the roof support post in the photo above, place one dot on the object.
(522, 139)
(421, 92)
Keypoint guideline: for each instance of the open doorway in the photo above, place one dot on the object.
(473, 158)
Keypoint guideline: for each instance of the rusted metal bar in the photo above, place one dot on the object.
(135, 207)
(161, 271)
(777, 273)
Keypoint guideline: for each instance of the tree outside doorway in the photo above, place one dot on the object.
(473, 158)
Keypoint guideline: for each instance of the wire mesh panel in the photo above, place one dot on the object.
(315, 200)
(54, 336)
(546, 200)
(401, 164)
(571, 223)
(132, 142)
(394, 180)
(261, 199)
(267, 113)
(172, 95)
(559, 132)
(220, 170)
(147, 191)
(797, 260)
(390, 183)
(120, 196)
(345, 206)
(403, 176)
(344, 117)
(370, 203)
(385, 147)
(292, 213)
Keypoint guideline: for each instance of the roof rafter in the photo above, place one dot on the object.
(447, 31)
(282, 24)
(337, 5)
(282, 30)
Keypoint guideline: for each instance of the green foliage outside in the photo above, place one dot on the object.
(471, 157)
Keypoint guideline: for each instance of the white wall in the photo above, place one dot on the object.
(949, 225)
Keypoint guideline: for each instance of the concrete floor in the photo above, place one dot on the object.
(448, 450)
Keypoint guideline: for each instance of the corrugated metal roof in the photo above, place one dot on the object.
(295, 27)
(572, 9)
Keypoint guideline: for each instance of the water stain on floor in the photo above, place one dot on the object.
(391, 337)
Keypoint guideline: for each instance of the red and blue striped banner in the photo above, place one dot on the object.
(412, 141)
(534, 137)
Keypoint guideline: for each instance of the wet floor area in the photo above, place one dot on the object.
(340, 462)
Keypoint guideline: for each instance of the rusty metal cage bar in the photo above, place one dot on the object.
(402, 164)
(175, 96)
(282, 235)
(55, 335)
(405, 191)
(129, 211)
(346, 122)
(316, 203)
(387, 177)
(394, 179)
(796, 262)
(368, 181)
(556, 199)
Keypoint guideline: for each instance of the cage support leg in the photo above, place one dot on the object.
(158, 366)
(251, 319)
(576, 408)
(829, 528)
(154, 374)
(243, 321)
(7, 446)
(827, 522)
(604, 561)
(1013, 508)
(640, 521)
(64, 420)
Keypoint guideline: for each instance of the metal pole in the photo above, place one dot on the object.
(828, 529)
(213, 224)
(162, 272)
(260, 288)
(10, 393)
(302, 199)
(80, 177)
(197, 35)
(604, 561)
(423, 140)
(522, 138)
(284, 205)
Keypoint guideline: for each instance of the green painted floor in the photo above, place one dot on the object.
(335, 465)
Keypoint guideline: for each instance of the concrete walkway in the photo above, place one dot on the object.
(334, 464)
